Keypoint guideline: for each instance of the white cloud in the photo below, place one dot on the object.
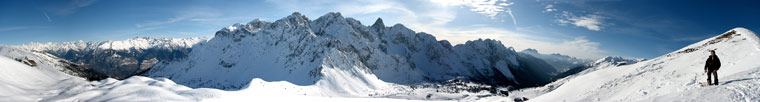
(549, 8)
(590, 21)
(490, 8)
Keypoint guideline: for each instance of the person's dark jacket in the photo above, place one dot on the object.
(712, 63)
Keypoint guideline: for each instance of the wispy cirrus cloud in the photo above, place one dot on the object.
(591, 21)
(68, 8)
(490, 8)
(46, 16)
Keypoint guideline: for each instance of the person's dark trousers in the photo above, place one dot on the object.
(714, 74)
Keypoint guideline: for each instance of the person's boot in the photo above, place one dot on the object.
(715, 75)
(716, 81)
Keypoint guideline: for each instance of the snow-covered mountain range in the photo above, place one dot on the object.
(304, 52)
(118, 59)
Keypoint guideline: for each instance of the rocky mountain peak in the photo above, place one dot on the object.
(378, 23)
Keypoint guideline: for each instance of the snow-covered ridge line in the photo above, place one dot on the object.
(136, 43)
(739, 31)
(617, 61)
(144, 43)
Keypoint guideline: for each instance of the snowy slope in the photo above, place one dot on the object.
(46, 81)
(675, 76)
(19, 81)
(606, 62)
(118, 59)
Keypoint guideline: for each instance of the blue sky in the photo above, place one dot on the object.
(581, 28)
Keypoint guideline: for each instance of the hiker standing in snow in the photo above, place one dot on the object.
(711, 67)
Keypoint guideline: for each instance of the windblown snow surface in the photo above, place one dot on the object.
(672, 77)
(46, 81)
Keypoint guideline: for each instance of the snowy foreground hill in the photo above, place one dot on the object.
(334, 58)
(671, 77)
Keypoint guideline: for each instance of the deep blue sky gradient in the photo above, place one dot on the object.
(632, 28)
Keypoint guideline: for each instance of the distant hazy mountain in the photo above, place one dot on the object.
(561, 62)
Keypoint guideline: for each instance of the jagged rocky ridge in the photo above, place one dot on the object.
(302, 51)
